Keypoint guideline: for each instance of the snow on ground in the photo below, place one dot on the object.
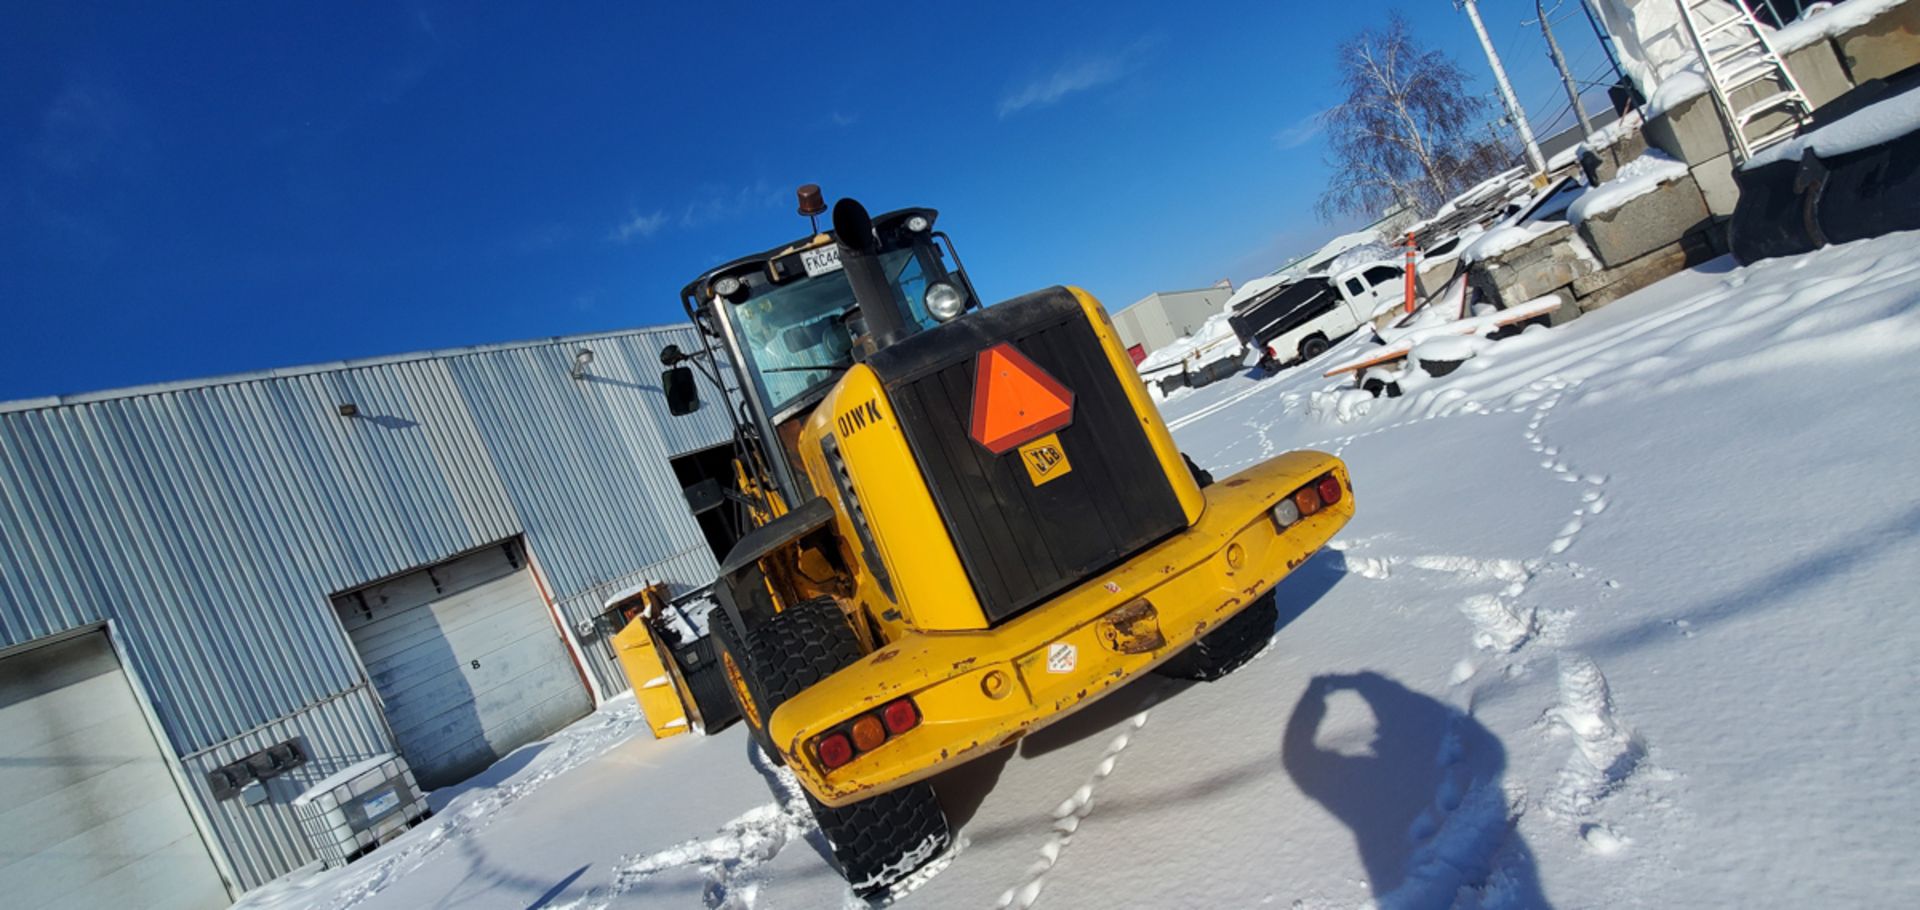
(1625, 618)
(1635, 179)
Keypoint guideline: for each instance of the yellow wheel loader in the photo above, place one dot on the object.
(968, 521)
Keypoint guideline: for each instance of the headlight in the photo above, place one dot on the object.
(918, 224)
(945, 301)
(728, 287)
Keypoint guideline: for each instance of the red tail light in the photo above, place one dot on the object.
(1329, 489)
(835, 750)
(900, 716)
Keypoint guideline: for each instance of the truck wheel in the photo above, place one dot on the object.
(730, 649)
(879, 839)
(1313, 346)
(1226, 648)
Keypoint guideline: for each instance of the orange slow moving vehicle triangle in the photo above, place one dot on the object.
(1014, 400)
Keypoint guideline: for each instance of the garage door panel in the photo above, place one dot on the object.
(392, 635)
(468, 672)
(432, 656)
(68, 759)
(482, 750)
(90, 815)
(498, 688)
(150, 883)
(49, 809)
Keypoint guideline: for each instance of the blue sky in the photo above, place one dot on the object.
(195, 189)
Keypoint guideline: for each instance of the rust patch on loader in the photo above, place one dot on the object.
(1132, 628)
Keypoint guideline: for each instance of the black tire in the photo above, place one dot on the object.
(1228, 647)
(729, 648)
(879, 839)
(1312, 346)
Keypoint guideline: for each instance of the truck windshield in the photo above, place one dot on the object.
(793, 338)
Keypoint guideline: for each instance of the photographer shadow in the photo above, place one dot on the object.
(1420, 787)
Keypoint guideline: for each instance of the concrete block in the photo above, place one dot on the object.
(1715, 178)
(1609, 160)
(1817, 68)
(1648, 223)
(1601, 288)
(1691, 131)
(1431, 278)
(1882, 47)
(1550, 262)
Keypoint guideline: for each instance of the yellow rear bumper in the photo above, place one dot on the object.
(980, 690)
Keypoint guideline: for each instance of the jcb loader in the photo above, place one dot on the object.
(968, 521)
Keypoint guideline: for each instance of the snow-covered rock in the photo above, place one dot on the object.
(1636, 178)
(1882, 121)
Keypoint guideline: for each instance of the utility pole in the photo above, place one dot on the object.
(1560, 63)
(1514, 110)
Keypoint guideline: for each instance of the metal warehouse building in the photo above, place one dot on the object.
(398, 554)
(1160, 318)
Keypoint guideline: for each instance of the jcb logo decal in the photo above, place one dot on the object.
(1045, 459)
(860, 417)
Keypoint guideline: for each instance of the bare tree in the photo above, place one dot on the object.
(1402, 134)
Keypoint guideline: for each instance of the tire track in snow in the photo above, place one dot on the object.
(730, 860)
(1066, 820)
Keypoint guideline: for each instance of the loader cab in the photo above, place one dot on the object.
(787, 324)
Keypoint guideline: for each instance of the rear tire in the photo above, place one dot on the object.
(1228, 647)
(1313, 346)
(876, 840)
(729, 646)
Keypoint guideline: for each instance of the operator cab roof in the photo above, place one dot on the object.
(782, 263)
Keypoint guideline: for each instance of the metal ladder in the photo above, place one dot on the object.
(1735, 54)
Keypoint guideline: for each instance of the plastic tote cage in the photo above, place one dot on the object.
(359, 808)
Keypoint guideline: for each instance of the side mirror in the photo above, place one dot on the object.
(683, 397)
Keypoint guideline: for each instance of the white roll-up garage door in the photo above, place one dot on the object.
(467, 659)
(89, 814)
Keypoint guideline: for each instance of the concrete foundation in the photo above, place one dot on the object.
(1550, 262)
(1882, 47)
(1647, 223)
(1601, 288)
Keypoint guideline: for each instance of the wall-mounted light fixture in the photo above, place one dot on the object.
(580, 362)
(349, 410)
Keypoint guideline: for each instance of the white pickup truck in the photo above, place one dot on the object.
(1297, 321)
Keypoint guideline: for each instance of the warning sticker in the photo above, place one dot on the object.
(1062, 657)
(1045, 459)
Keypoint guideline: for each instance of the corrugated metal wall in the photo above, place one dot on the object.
(212, 521)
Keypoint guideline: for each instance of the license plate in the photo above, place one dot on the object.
(821, 259)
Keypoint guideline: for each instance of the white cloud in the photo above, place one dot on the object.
(719, 204)
(1067, 80)
(1300, 132)
(639, 227)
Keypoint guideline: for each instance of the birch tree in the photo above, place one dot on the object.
(1407, 129)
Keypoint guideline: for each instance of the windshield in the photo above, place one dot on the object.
(793, 338)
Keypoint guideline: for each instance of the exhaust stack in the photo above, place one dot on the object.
(859, 256)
